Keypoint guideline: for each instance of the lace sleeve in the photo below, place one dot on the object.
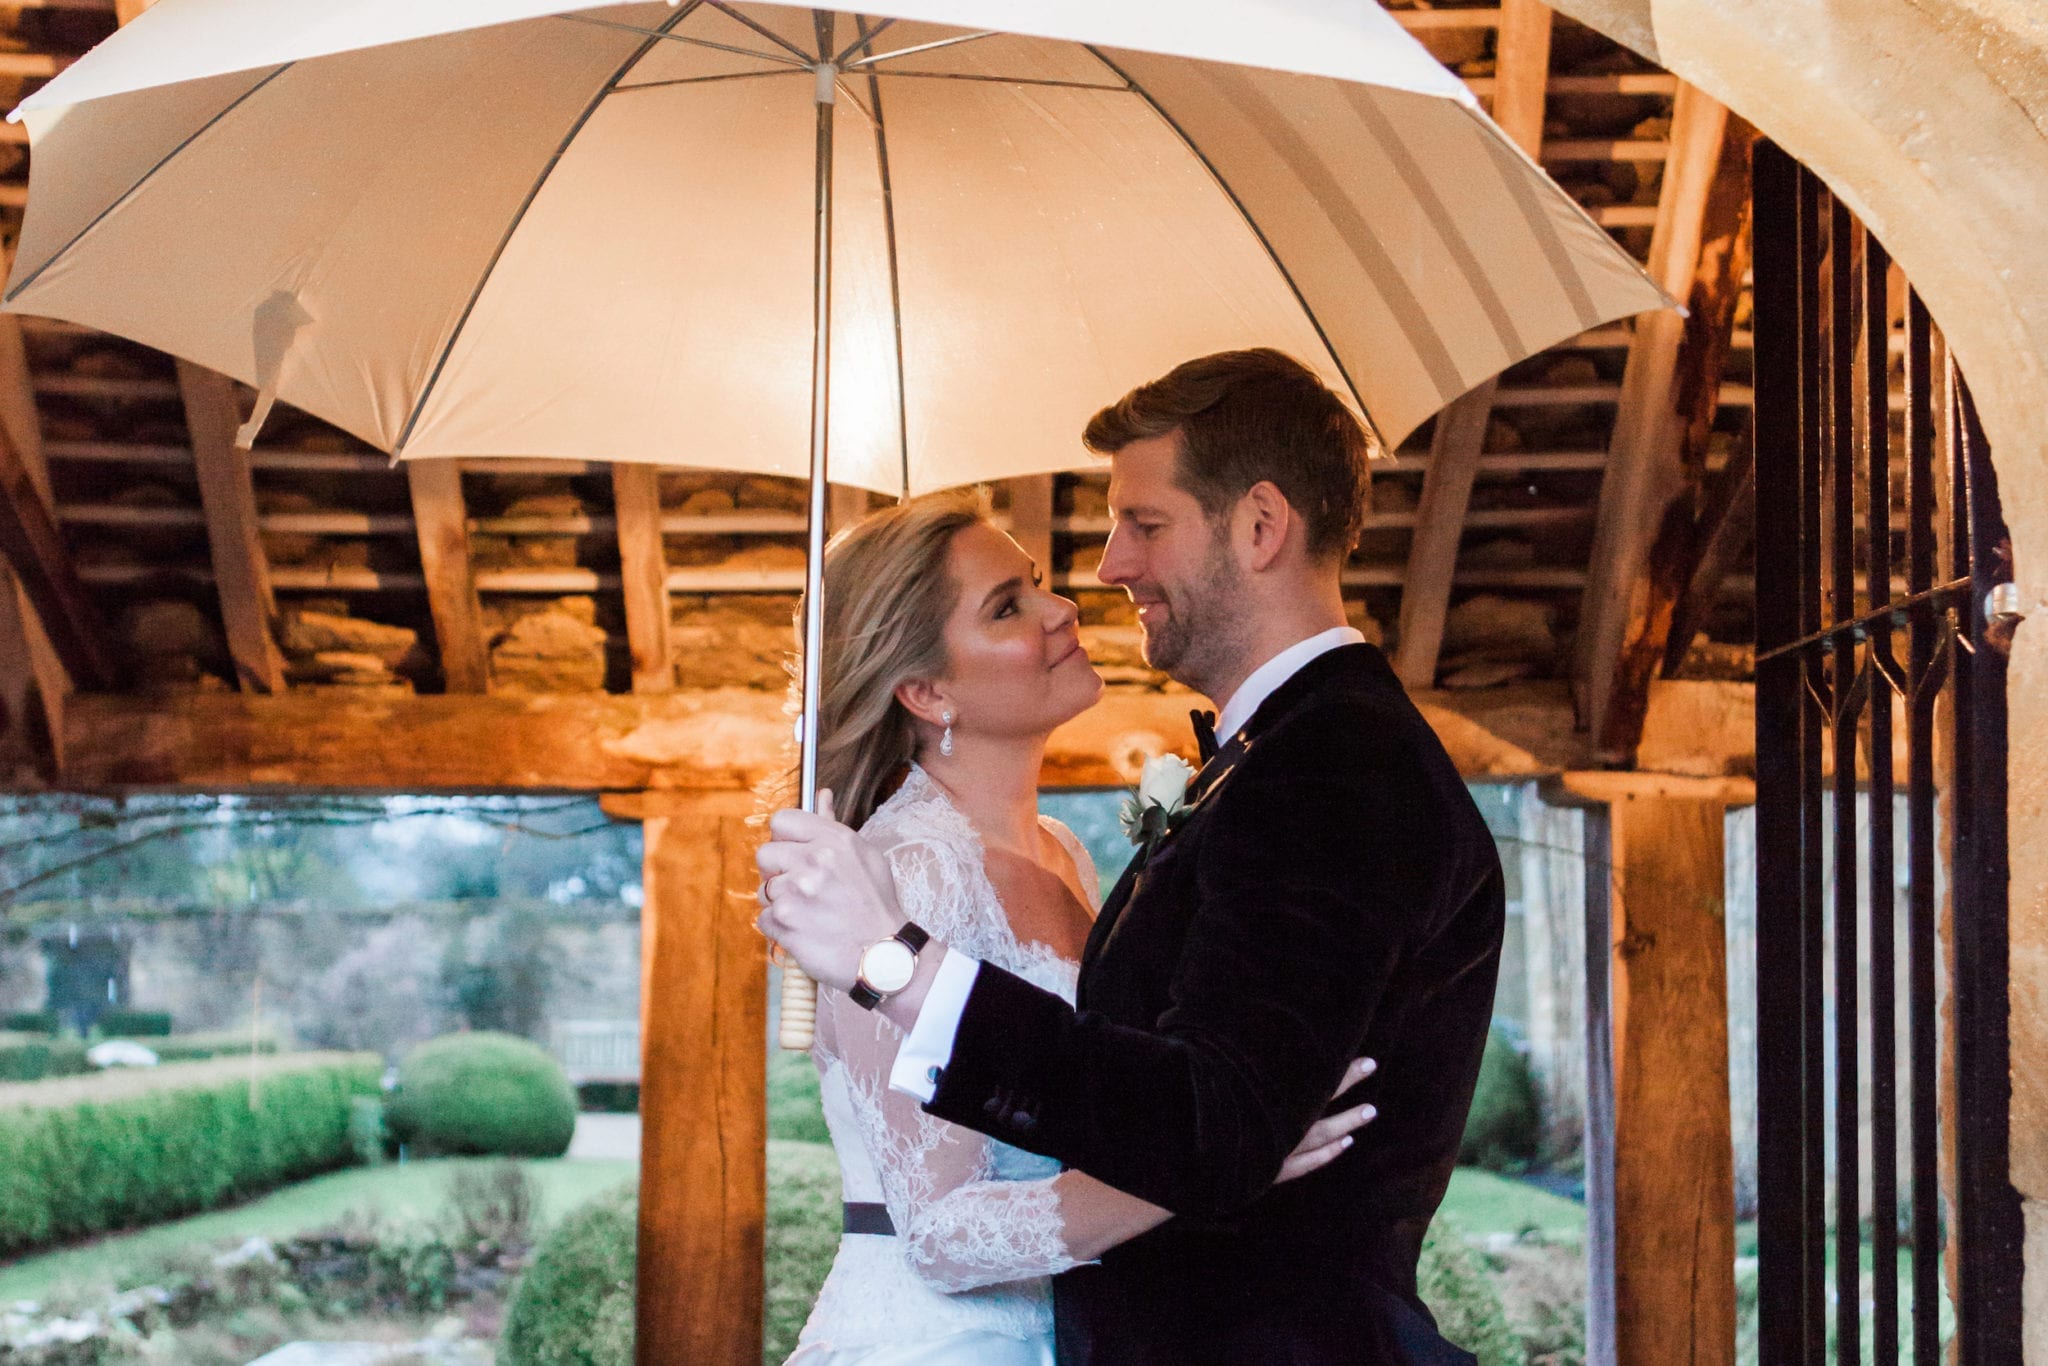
(961, 1227)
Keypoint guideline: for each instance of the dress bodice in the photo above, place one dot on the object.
(978, 1224)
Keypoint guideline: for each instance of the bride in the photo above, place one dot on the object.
(946, 666)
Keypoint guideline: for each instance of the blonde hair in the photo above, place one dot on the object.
(888, 592)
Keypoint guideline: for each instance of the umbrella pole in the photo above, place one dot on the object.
(799, 993)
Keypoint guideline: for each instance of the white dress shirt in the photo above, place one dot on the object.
(929, 1046)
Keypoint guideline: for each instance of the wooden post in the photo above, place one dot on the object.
(1660, 1158)
(703, 1084)
(643, 575)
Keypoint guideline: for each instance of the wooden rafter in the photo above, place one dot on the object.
(1694, 528)
(1439, 526)
(241, 570)
(1031, 519)
(1523, 66)
(29, 540)
(1644, 469)
(441, 517)
(643, 575)
(1726, 525)
(33, 680)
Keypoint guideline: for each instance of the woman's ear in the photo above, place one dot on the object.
(924, 700)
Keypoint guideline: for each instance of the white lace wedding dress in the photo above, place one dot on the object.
(965, 1279)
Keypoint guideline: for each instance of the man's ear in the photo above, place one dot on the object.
(923, 699)
(1261, 525)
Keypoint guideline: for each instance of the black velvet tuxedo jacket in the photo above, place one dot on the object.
(1333, 894)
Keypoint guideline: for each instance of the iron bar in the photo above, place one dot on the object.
(1991, 1231)
(1893, 613)
(1838, 474)
(1922, 654)
(1781, 1301)
(1812, 722)
(1875, 434)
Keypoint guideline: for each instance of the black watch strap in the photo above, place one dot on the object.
(913, 937)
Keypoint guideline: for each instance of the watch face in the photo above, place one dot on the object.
(888, 966)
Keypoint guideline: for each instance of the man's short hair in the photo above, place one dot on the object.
(1247, 416)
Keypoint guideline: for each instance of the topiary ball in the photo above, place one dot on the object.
(483, 1093)
(573, 1306)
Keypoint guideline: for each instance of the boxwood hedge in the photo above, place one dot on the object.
(83, 1155)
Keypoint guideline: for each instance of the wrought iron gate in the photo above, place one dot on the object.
(1879, 558)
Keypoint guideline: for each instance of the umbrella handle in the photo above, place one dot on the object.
(799, 1011)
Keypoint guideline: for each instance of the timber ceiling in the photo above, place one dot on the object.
(313, 565)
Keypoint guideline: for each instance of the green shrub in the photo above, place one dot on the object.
(1500, 1133)
(483, 1093)
(139, 1145)
(217, 1043)
(574, 1305)
(134, 1024)
(1455, 1285)
(609, 1097)
(34, 1057)
(30, 1022)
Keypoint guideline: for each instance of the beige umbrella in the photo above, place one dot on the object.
(740, 236)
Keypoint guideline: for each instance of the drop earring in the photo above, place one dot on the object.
(946, 740)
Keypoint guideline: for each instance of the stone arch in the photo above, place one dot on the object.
(1930, 119)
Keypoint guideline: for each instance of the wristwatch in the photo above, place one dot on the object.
(887, 966)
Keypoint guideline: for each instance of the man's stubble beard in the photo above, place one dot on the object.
(1203, 634)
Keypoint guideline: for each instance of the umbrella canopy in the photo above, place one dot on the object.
(519, 228)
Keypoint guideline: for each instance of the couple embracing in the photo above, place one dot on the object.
(1211, 1120)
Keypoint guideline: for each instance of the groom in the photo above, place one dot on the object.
(1333, 893)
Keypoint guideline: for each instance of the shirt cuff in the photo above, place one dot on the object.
(929, 1046)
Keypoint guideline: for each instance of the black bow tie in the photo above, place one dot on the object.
(1205, 734)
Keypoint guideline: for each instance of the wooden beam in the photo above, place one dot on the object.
(1523, 73)
(643, 575)
(1660, 1155)
(1690, 522)
(33, 688)
(703, 1092)
(1727, 526)
(1522, 68)
(844, 505)
(731, 738)
(30, 541)
(241, 571)
(1643, 469)
(1454, 455)
(33, 680)
(439, 513)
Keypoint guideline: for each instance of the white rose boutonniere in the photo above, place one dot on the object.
(1160, 803)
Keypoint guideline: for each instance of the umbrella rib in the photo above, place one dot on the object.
(895, 280)
(512, 229)
(1257, 231)
(867, 35)
(770, 34)
(680, 38)
(1001, 80)
(923, 47)
(705, 80)
(146, 177)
